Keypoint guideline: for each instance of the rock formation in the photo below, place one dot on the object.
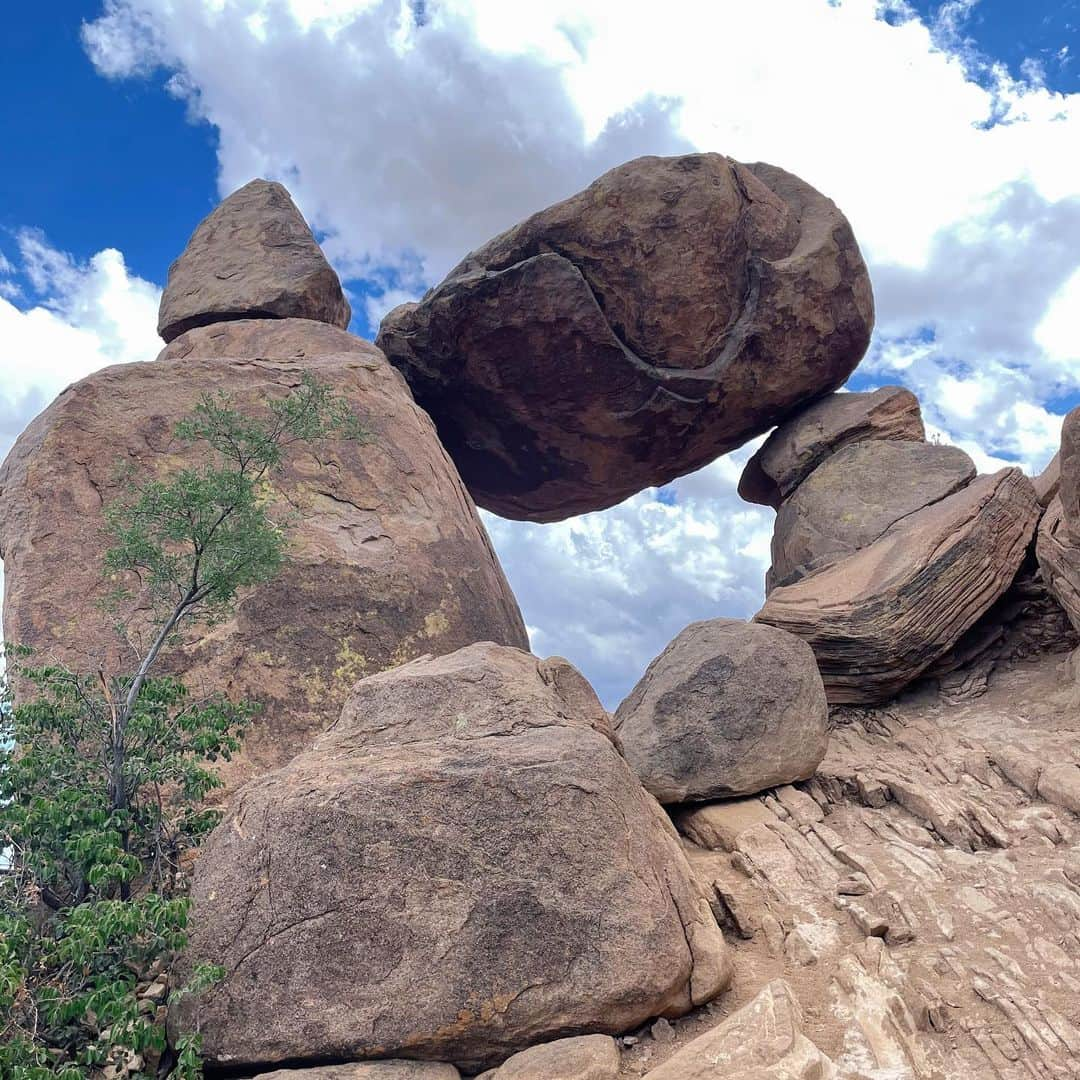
(800, 444)
(1058, 546)
(387, 560)
(634, 332)
(728, 708)
(880, 617)
(854, 496)
(253, 258)
(490, 874)
(587, 1057)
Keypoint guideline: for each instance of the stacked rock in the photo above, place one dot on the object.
(388, 559)
(886, 549)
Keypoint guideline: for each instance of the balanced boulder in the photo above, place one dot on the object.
(461, 867)
(387, 559)
(879, 617)
(855, 495)
(253, 257)
(728, 708)
(666, 314)
(801, 443)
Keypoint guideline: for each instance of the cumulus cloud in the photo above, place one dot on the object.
(411, 132)
(60, 320)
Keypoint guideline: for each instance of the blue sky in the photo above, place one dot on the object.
(948, 133)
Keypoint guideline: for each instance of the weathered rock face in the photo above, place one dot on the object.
(728, 708)
(634, 332)
(762, 1040)
(587, 1057)
(1048, 481)
(801, 443)
(388, 559)
(878, 618)
(855, 495)
(368, 1070)
(488, 874)
(1058, 546)
(1069, 459)
(253, 257)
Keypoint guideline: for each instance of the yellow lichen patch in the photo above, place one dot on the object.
(352, 665)
(435, 624)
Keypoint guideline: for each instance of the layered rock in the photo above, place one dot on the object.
(804, 441)
(387, 558)
(253, 257)
(728, 708)
(1058, 546)
(763, 1039)
(855, 495)
(878, 618)
(634, 332)
(587, 1057)
(369, 1070)
(490, 874)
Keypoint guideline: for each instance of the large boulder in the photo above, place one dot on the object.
(802, 442)
(461, 867)
(878, 618)
(387, 558)
(666, 314)
(728, 708)
(252, 257)
(855, 495)
(762, 1041)
(1058, 545)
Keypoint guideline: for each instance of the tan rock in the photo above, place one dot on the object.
(878, 618)
(728, 708)
(762, 1041)
(718, 825)
(368, 1070)
(1069, 465)
(804, 441)
(1058, 553)
(855, 496)
(1060, 784)
(387, 559)
(634, 332)
(1048, 481)
(253, 257)
(459, 868)
(587, 1057)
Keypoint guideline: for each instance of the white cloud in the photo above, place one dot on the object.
(410, 140)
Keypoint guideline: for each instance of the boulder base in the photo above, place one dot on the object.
(488, 874)
(728, 708)
(634, 332)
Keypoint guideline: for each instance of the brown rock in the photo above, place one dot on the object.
(800, 444)
(762, 1040)
(728, 708)
(634, 332)
(1048, 481)
(368, 1070)
(1058, 545)
(1060, 784)
(1069, 484)
(387, 561)
(461, 867)
(859, 492)
(253, 257)
(878, 618)
(719, 825)
(587, 1057)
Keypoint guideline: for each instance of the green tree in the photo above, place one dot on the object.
(104, 775)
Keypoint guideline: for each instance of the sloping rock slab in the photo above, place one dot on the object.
(854, 496)
(800, 444)
(463, 866)
(253, 257)
(728, 708)
(762, 1041)
(1058, 552)
(587, 1057)
(368, 1070)
(632, 333)
(387, 557)
(878, 618)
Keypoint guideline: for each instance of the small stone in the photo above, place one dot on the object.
(662, 1031)
(854, 885)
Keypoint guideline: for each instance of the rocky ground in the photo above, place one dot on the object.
(920, 896)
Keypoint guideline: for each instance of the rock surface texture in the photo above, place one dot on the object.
(854, 496)
(253, 257)
(587, 1057)
(728, 708)
(489, 875)
(1058, 546)
(878, 618)
(801, 443)
(387, 561)
(634, 332)
(369, 1070)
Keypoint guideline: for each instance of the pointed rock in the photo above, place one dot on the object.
(253, 257)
